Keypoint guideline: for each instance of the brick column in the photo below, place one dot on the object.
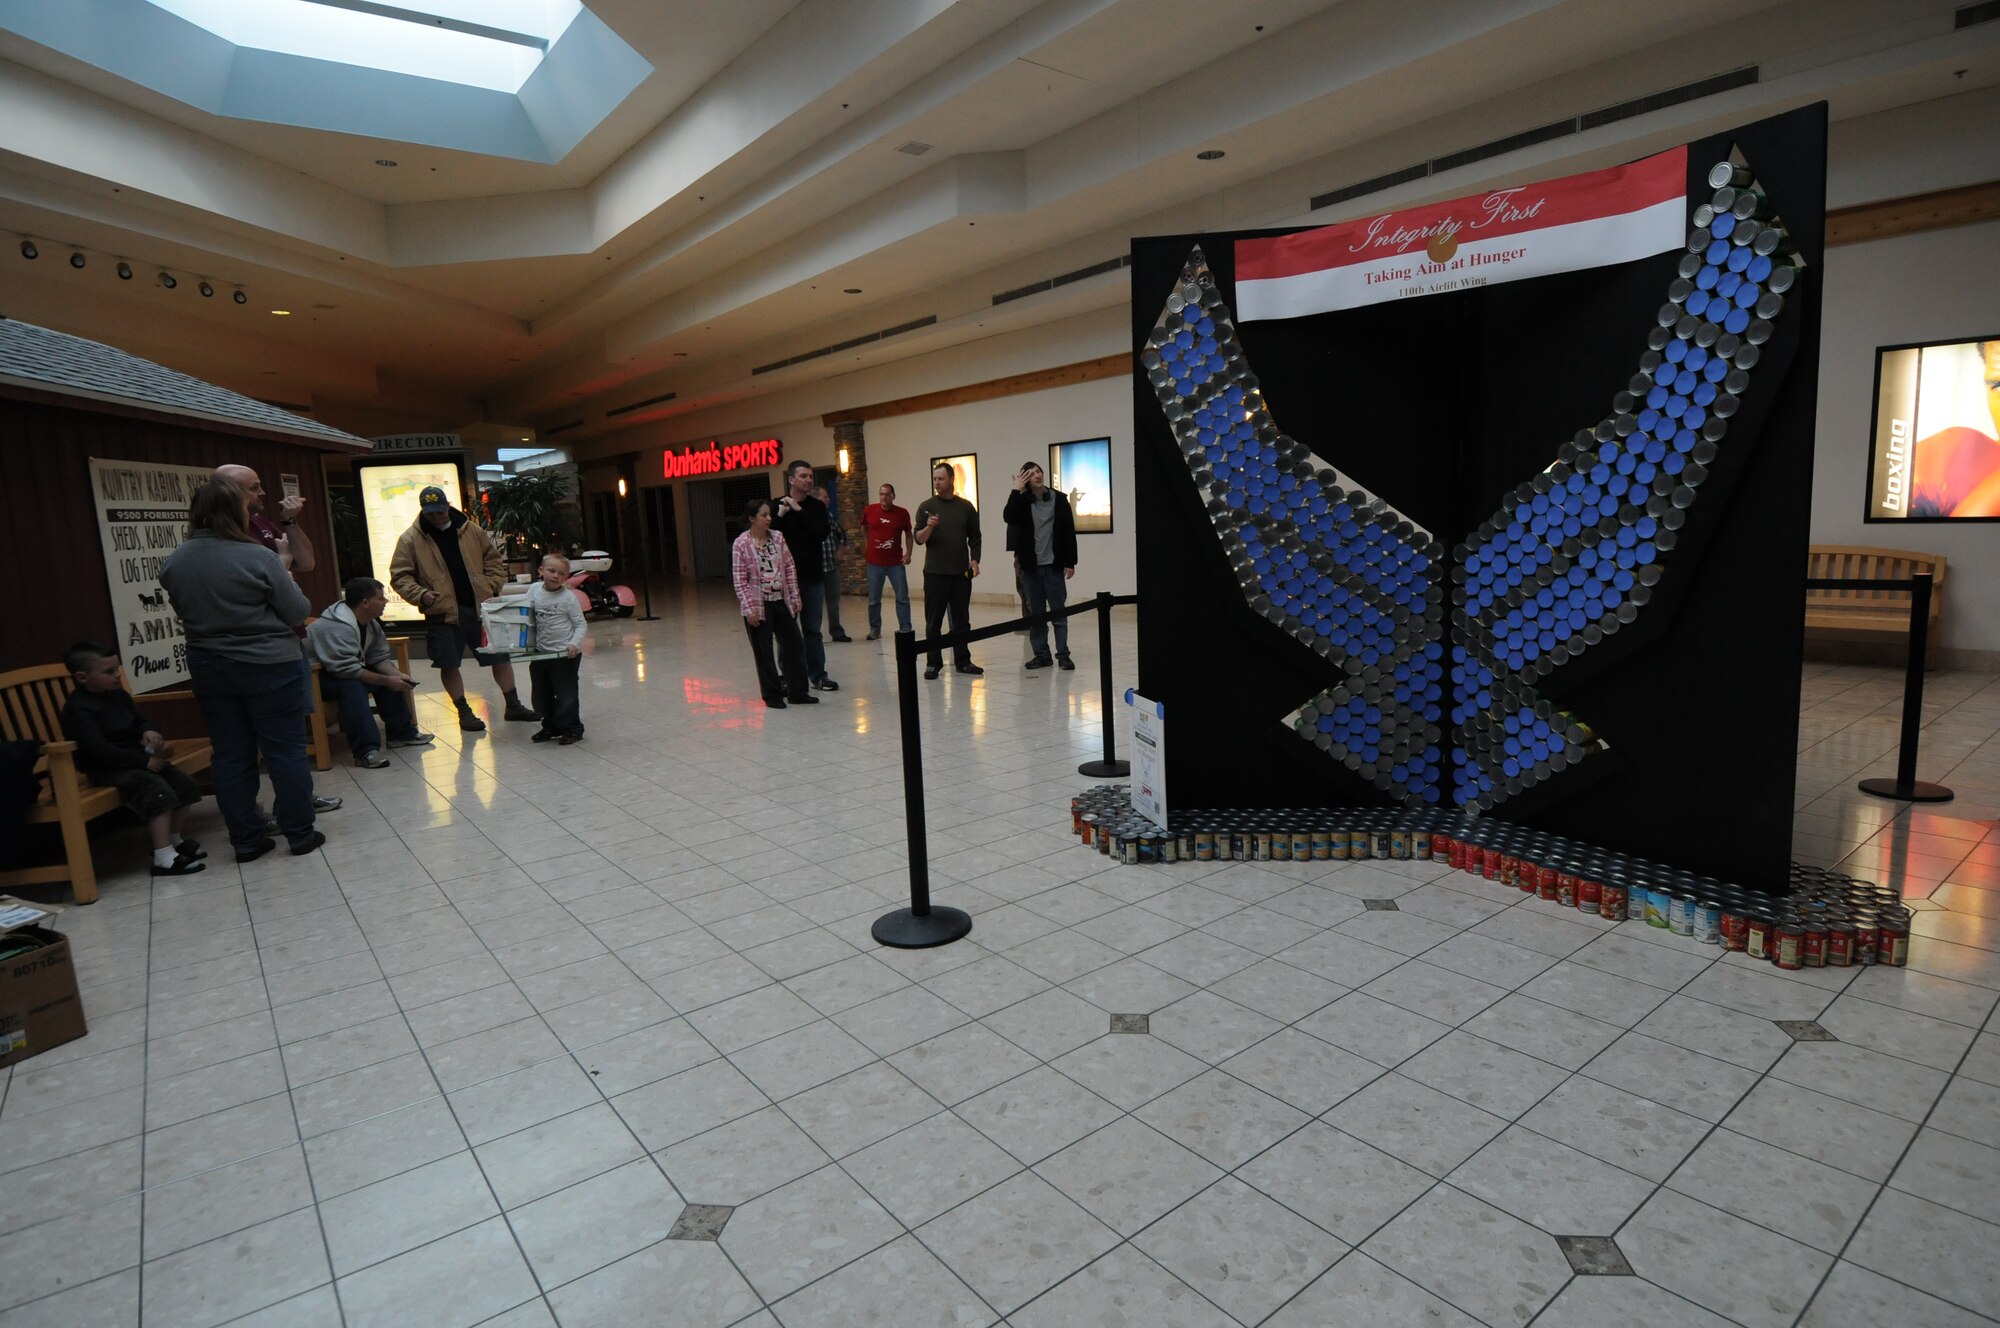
(855, 494)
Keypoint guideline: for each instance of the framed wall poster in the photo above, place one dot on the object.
(1935, 454)
(965, 475)
(1082, 471)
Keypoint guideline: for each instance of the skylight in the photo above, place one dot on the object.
(494, 44)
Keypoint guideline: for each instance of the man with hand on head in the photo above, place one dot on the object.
(1041, 530)
(445, 565)
(948, 528)
(803, 520)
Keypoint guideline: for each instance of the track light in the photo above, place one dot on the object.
(167, 280)
(28, 250)
(124, 271)
(76, 259)
(206, 290)
(240, 298)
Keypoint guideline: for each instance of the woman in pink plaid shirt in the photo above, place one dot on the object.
(767, 587)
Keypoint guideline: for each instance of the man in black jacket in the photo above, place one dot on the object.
(1041, 533)
(803, 520)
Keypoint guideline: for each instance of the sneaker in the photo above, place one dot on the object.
(190, 848)
(972, 669)
(1039, 662)
(322, 806)
(372, 760)
(931, 673)
(518, 712)
(183, 866)
(569, 739)
(1066, 663)
(826, 684)
(252, 852)
(301, 847)
(470, 723)
(874, 636)
(417, 739)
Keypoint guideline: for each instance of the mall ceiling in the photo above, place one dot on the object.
(795, 174)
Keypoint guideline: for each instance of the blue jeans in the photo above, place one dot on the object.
(253, 708)
(897, 576)
(1046, 589)
(812, 608)
(352, 696)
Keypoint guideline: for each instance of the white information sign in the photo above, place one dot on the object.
(1149, 758)
(142, 514)
(389, 504)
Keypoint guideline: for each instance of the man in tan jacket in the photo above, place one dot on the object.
(445, 565)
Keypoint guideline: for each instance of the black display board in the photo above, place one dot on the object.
(1442, 405)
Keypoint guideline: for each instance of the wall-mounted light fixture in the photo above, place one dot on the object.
(621, 486)
(76, 258)
(843, 459)
(124, 270)
(167, 280)
(206, 290)
(29, 251)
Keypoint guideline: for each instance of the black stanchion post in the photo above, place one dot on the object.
(1905, 787)
(919, 926)
(1110, 767)
(645, 561)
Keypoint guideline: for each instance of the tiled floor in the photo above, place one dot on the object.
(539, 1020)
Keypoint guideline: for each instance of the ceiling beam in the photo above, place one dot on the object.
(1041, 380)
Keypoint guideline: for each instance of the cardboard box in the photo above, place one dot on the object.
(39, 1004)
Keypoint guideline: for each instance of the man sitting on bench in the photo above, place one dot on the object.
(355, 663)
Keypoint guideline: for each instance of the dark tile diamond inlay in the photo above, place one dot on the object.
(1381, 905)
(1805, 1030)
(1594, 1256)
(701, 1222)
(1131, 1023)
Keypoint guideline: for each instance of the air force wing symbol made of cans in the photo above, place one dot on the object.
(1572, 555)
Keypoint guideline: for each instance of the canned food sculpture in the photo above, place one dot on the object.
(1572, 555)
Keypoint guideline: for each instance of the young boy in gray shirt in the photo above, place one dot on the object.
(559, 627)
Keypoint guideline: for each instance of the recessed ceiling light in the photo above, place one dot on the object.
(240, 297)
(282, 313)
(384, 161)
(76, 259)
(124, 271)
(852, 290)
(206, 290)
(1212, 154)
(167, 280)
(28, 249)
(323, 306)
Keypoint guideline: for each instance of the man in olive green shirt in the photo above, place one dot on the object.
(948, 528)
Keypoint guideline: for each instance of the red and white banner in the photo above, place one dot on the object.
(1533, 230)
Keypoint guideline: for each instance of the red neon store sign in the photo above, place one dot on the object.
(716, 459)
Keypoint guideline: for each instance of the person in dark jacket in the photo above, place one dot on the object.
(804, 521)
(1041, 534)
(241, 612)
(117, 747)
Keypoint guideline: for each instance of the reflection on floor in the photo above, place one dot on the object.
(596, 1035)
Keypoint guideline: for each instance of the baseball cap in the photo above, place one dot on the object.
(433, 500)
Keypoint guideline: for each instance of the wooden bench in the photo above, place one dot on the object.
(31, 702)
(1876, 613)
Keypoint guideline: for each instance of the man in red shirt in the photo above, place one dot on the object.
(887, 530)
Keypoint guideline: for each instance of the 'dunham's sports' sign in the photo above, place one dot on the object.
(716, 459)
(1579, 221)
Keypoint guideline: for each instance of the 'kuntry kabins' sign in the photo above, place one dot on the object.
(142, 515)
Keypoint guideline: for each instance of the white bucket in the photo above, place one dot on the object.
(510, 625)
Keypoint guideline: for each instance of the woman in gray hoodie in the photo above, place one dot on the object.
(241, 610)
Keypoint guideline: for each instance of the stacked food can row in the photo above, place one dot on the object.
(1824, 919)
(1104, 820)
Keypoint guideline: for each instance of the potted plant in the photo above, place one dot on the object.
(530, 514)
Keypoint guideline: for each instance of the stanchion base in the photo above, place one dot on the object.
(1105, 769)
(908, 930)
(647, 617)
(1917, 792)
